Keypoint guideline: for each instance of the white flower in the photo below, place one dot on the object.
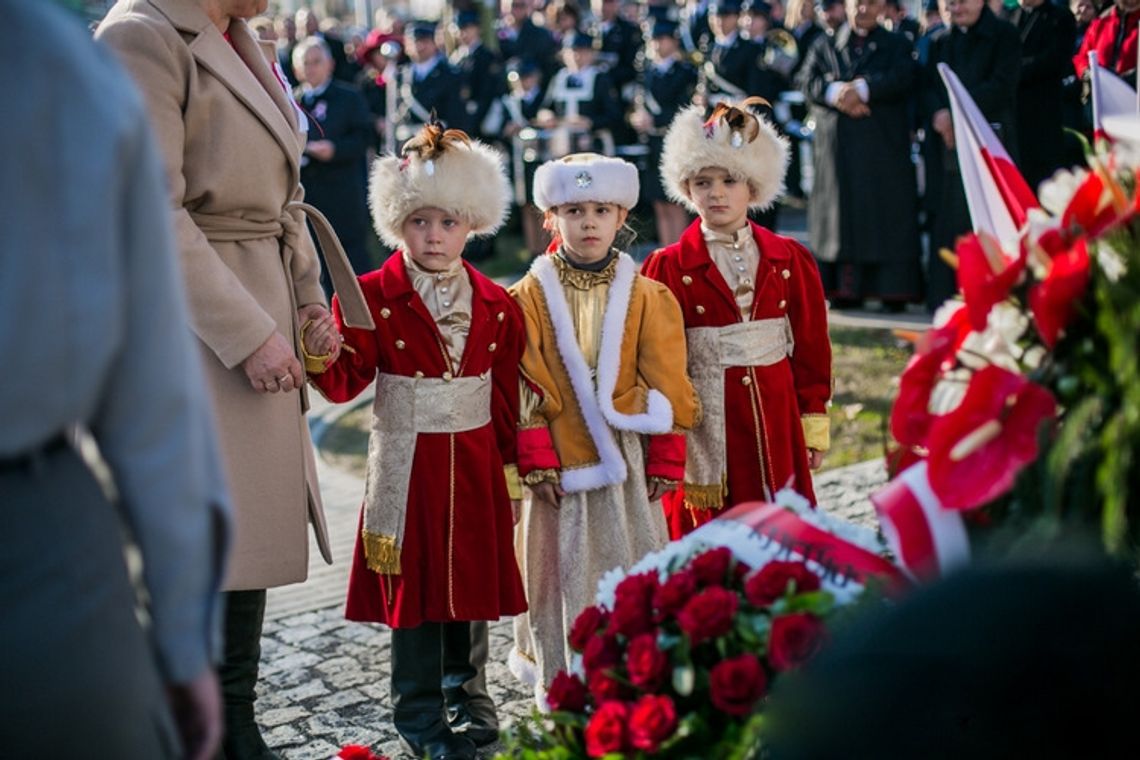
(946, 311)
(1008, 322)
(1056, 192)
(1110, 261)
(1033, 357)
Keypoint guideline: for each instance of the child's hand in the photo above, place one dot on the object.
(549, 494)
(815, 458)
(516, 511)
(658, 488)
(322, 337)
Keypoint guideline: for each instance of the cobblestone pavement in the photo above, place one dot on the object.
(324, 680)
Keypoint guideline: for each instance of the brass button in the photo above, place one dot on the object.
(500, 316)
(746, 380)
(700, 309)
(385, 313)
(782, 304)
(400, 345)
(419, 375)
(447, 376)
(492, 347)
(687, 280)
(785, 274)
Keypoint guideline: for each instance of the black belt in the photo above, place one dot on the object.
(28, 459)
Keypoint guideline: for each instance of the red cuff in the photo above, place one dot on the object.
(666, 457)
(536, 450)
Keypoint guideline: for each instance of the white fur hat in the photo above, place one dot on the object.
(734, 139)
(582, 177)
(439, 169)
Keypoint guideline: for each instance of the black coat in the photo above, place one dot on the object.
(1047, 35)
(437, 91)
(696, 36)
(621, 44)
(532, 44)
(864, 201)
(666, 93)
(740, 65)
(338, 187)
(599, 103)
(484, 79)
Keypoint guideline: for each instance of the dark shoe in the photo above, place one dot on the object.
(846, 303)
(443, 745)
(474, 719)
(244, 613)
(893, 307)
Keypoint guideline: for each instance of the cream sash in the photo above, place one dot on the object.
(403, 408)
(711, 350)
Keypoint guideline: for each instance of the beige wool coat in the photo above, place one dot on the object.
(231, 145)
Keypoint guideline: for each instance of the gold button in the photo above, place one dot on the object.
(484, 375)
(385, 313)
(419, 375)
(785, 274)
(492, 347)
(782, 304)
(700, 309)
(447, 376)
(687, 280)
(400, 345)
(746, 380)
(500, 316)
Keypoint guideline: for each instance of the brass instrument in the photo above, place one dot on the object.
(781, 51)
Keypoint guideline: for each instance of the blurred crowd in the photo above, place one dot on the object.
(873, 161)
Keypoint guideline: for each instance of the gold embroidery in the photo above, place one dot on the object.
(580, 278)
(381, 553)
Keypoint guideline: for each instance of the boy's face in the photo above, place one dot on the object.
(434, 238)
(588, 229)
(721, 199)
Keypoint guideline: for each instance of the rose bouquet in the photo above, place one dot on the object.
(678, 654)
(1024, 400)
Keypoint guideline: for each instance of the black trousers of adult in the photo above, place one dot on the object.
(73, 656)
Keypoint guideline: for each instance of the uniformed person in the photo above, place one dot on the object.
(428, 83)
(481, 70)
(581, 97)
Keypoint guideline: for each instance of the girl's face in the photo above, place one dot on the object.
(434, 238)
(721, 199)
(588, 229)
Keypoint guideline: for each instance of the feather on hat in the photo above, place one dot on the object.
(732, 138)
(442, 169)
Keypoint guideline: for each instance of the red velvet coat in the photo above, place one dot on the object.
(481, 581)
(787, 283)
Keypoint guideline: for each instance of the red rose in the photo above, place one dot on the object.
(736, 683)
(771, 583)
(711, 566)
(601, 652)
(647, 665)
(673, 593)
(794, 640)
(633, 605)
(740, 571)
(708, 614)
(586, 625)
(567, 693)
(605, 732)
(652, 721)
(604, 687)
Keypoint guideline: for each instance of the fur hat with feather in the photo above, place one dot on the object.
(442, 169)
(732, 138)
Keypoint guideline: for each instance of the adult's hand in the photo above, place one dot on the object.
(273, 367)
(549, 494)
(197, 710)
(322, 150)
(944, 125)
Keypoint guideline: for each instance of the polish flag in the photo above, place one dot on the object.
(997, 194)
(927, 539)
(1111, 96)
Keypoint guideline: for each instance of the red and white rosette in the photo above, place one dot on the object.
(928, 539)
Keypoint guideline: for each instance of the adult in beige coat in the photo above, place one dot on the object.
(231, 141)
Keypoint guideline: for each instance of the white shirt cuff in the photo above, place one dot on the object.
(831, 94)
(862, 90)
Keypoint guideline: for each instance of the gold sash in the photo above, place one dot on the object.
(403, 408)
(711, 350)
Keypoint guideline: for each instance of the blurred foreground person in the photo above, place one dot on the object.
(1034, 658)
(87, 256)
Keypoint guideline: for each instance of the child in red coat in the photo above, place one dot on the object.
(755, 319)
(434, 550)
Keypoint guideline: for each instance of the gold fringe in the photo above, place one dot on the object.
(381, 553)
(705, 496)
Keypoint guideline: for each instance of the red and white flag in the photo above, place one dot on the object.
(927, 539)
(1111, 96)
(997, 194)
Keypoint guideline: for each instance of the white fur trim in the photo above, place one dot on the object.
(658, 417)
(582, 177)
(689, 147)
(522, 668)
(467, 180)
(611, 469)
